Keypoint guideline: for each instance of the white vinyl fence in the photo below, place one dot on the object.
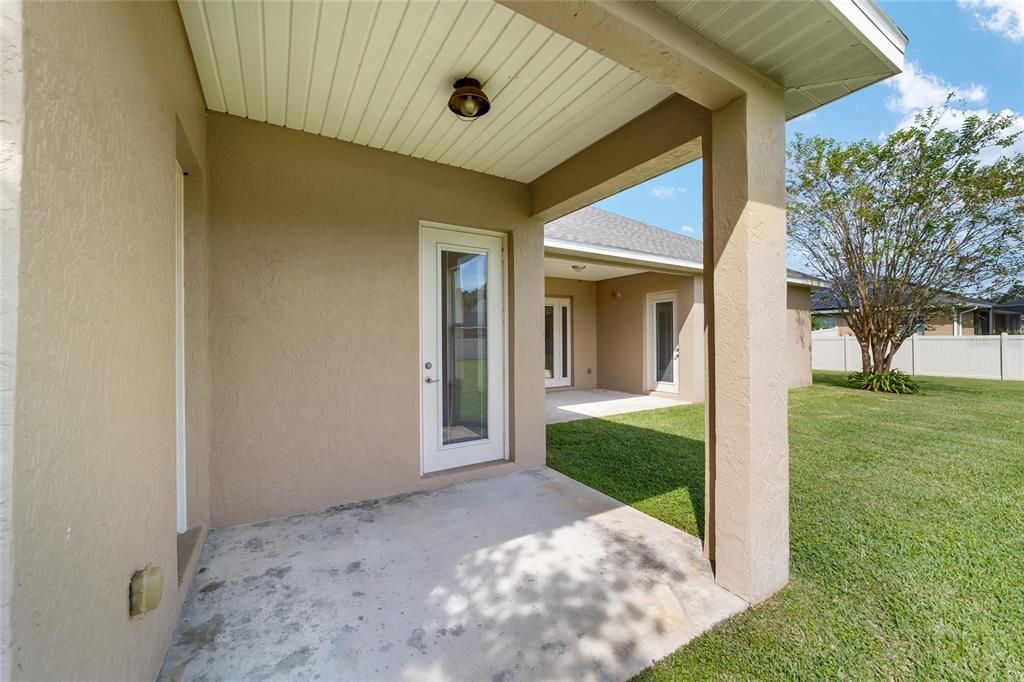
(971, 357)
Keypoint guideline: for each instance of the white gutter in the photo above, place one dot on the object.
(565, 247)
(876, 30)
(625, 256)
(816, 283)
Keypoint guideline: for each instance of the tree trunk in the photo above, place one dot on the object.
(865, 357)
(887, 361)
(877, 356)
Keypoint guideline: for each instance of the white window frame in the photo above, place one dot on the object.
(651, 340)
(560, 304)
(497, 371)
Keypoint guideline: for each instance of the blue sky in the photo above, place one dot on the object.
(975, 47)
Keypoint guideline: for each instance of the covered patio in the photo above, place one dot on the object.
(564, 584)
(580, 403)
(278, 263)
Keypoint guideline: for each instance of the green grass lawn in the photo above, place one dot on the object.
(907, 530)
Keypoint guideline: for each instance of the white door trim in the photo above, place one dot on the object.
(435, 455)
(558, 380)
(650, 343)
(179, 349)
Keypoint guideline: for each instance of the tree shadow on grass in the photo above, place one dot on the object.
(660, 473)
(837, 379)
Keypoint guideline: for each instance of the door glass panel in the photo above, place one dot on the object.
(464, 346)
(549, 342)
(565, 342)
(664, 345)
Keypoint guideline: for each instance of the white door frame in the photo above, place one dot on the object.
(560, 304)
(434, 454)
(651, 341)
(179, 348)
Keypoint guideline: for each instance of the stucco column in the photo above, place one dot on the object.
(747, 523)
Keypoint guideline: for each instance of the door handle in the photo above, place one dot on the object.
(429, 380)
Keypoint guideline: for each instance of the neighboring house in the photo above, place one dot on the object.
(236, 238)
(953, 316)
(624, 308)
(1008, 316)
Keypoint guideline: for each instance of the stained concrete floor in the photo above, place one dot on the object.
(525, 576)
(573, 404)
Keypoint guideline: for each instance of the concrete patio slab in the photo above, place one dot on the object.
(520, 577)
(566, 406)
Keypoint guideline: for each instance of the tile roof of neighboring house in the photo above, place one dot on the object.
(827, 299)
(598, 227)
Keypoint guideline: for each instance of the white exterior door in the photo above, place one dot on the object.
(462, 349)
(557, 342)
(662, 343)
(179, 347)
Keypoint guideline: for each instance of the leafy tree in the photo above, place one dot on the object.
(1014, 293)
(897, 226)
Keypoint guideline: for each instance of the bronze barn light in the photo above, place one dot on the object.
(468, 101)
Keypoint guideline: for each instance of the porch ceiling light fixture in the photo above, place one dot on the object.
(579, 268)
(468, 102)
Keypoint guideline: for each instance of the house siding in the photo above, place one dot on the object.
(938, 324)
(111, 100)
(315, 317)
(583, 306)
(620, 332)
(798, 330)
(621, 322)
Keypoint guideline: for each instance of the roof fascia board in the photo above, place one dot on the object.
(606, 254)
(874, 27)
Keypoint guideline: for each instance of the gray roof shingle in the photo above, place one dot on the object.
(596, 226)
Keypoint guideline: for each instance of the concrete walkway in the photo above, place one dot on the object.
(525, 576)
(566, 406)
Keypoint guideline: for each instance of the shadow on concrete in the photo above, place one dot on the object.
(519, 577)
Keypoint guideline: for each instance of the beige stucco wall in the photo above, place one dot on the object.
(943, 324)
(94, 433)
(620, 332)
(621, 306)
(798, 340)
(584, 326)
(315, 317)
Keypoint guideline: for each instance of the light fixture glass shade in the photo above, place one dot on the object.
(468, 101)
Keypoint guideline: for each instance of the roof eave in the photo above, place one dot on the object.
(878, 32)
(607, 254)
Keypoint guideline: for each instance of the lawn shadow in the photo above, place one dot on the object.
(634, 464)
(837, 379)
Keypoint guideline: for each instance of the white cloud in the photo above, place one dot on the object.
(1005, 17)
(666, 191)
(686, 229)
(916, 90)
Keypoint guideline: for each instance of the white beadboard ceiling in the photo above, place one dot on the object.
(817, 50)
(591, 272)
(380, 74)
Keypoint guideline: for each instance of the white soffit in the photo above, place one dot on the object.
(380, 74)
(818, 50)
